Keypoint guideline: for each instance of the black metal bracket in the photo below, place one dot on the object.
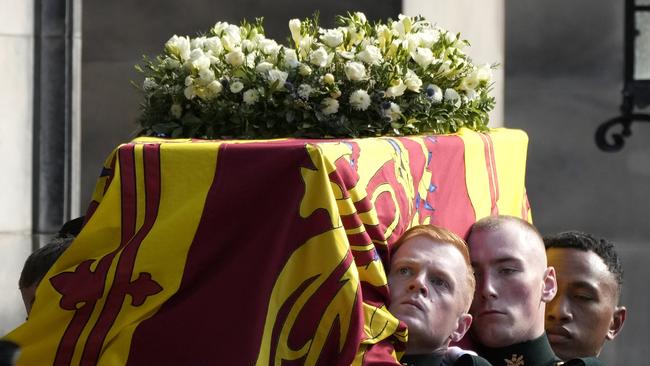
(618, 138)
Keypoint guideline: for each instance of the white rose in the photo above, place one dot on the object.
(189, 92)
(179, 46)
(470, 81)
(370, 55)
(206, 76)
(219, 27)
(452, 97)
(213, 44)
(232, 31)
(304, 70)
(319, 57)
(304, 91)
(294, 27)
(198, 60)
(329, 106)
(251, 96)
(269, 47)
(332, 37)
(397, 89)
(277, 76)
(171, 64)
(236, 86)
(235, 57)
(290, 58)
(176, 110)
(423, 57)
(149, 84)
(428, 38)
(263, 67)
(412, 81)
(484, 73)
(355, 71)
(412, 42)
(328, 78)
(360, 100)
(215, 87)
(197, 42)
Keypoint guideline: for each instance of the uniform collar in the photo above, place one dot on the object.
(431, 359)
(537, 352)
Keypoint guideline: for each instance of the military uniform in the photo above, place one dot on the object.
(437, 360)
(537, 352)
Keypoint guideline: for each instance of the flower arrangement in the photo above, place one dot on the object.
(360, 79)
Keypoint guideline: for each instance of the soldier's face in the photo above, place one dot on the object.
(510, 284)
(583, 314)
(427, 283)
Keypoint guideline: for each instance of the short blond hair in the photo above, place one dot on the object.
(442, 235)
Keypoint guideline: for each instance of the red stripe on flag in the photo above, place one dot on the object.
(86, 287)
(143, 286)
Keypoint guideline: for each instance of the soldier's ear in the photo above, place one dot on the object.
(462, 326)
(615, 326)
(550, 285)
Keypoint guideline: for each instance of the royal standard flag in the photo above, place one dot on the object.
(258, 252)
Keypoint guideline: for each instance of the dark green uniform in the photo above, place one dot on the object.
(537, 352)
(435, 360)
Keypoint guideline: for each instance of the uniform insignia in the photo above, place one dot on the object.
(515, 360)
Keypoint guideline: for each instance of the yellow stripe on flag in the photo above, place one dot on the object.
(476, 173)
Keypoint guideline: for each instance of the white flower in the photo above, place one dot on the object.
(198, 60)
(189, 92)
(412, 81)
(360, 100)
(251, 96)
(423, 57)
(197, 42)
(319, 57)
(213, 44)
(206, 76)
(370, 55)
(393, 112)
(452, 97)
(471, 95)
(232, 34)
(149, 84)
(176, 110)
(329, 106)
(277, 77)
(219, 27)
(361, 16)
(290, 58)
(171, 64)
(294, 27)
(215, 87)
(263, 67)
(412, 42)
(235, 57)
(305, 45)
(428, 37)
(434, 93)
(304, 70)
(332, 37)
(236, 86)
(179, 46)
(403, 26)
(355, 71)
(304, 91)
(469, 82)
(328, 78)
(188, 81)
(484, 73)
(269, 47)
(397, 89)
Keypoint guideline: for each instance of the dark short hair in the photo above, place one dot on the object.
(587, 242)
(40, 261)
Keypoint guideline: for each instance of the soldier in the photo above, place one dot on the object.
(431, 286)
(585, 312)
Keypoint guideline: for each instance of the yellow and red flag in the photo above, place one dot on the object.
(258, 252)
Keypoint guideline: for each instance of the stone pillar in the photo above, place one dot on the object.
(480, 22)
(16, 90)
